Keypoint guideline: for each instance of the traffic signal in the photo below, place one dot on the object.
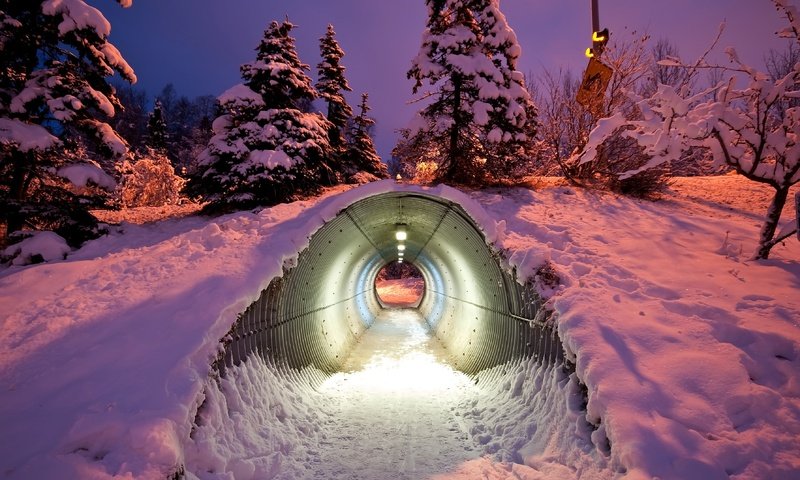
(599, 41)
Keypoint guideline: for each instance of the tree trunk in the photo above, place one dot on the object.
(453, 154)
(765, 243)
(19, 181)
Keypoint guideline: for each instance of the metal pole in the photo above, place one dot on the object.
(595, 17)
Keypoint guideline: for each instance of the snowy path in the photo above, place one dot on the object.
(393, 408)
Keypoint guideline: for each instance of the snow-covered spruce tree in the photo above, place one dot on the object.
(265, 149)
(755, 129)
(157, 129)
(54, 95)
(481, 115)
(361, 153)
(331, 86)
(512, 122)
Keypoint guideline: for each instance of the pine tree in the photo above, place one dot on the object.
(265, 149)
(331, 87)
(361, 151)
(157, 129)
(55, 96)
(480, 118)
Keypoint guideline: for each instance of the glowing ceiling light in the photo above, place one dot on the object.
(401, 248)
(400, 234)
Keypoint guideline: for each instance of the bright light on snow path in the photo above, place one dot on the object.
(395, 405)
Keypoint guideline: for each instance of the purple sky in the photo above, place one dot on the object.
(198, 45)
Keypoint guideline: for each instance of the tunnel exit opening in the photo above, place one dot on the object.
(399, 284)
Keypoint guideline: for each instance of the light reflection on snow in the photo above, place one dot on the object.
(410, 366)
(394, 406)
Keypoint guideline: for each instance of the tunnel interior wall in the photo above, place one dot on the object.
(317, 310)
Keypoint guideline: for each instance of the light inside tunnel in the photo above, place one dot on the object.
(412, 366)
(472, 302)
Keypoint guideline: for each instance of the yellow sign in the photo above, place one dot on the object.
(595, 82)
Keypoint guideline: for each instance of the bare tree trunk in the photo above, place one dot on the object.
(765, 242)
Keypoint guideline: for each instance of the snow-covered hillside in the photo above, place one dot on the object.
(690, 353)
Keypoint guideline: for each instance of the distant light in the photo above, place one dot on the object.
(401, 234)
(401, 247)
(400, 261)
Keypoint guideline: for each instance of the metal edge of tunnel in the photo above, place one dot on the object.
(263, 329)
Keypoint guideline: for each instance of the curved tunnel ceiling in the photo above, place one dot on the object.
(315, 313)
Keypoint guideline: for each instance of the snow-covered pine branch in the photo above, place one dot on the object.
(51, 108)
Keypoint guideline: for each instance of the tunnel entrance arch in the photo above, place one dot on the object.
(473, 302)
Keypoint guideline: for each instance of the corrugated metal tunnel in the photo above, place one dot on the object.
(317, 310)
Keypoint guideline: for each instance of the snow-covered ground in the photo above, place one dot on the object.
(690, 353)
(396, 411)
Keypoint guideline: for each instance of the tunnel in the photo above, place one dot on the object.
(473, 301)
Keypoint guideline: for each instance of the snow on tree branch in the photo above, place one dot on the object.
(25, 136)
(753, 128)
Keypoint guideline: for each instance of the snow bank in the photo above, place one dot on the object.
(690, 356)
(258, 424)
(47, 246)
(530, 424)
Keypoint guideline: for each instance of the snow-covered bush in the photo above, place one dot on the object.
(412, 150)
(425, 172)
(150, 181)
(754, 128)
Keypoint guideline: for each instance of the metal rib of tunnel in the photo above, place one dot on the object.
(315, 312)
